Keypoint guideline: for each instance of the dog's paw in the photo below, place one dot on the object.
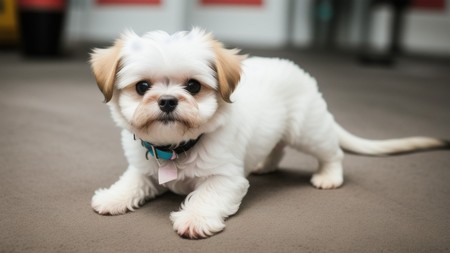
(195, 226)
(327, 180)
(108, 201)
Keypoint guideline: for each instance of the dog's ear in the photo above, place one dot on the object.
(105, 64)
(228, 68)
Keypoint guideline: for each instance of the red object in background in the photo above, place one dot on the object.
(42, 4)
(429, 4)
(232, 2)
(152, 2)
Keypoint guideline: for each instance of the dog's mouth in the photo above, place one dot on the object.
(167, 118)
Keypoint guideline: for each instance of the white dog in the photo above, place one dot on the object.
(197, 119)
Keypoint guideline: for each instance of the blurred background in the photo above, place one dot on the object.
(376, 29)
(382, 66)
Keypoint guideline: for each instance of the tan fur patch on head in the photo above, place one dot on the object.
(228, 68)
(105, 64)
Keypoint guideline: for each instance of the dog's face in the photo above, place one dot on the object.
(166, 88)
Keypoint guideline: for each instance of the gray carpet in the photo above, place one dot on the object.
(58, 144)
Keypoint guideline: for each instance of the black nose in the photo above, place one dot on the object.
(167, 103)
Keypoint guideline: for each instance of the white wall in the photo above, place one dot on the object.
(428, 31)
(269, 25)
(92, 22)
(264, 25)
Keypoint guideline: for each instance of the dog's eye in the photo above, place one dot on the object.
(193, 86)
(142, 87)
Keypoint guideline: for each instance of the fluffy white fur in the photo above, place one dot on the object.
(275, 104)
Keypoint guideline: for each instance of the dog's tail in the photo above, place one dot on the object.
(357, 145)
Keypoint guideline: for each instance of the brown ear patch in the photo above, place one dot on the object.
(228, 68)
(105, 64)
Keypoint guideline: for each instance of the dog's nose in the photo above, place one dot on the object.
(167, 103)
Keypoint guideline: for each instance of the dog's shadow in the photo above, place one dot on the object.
(273, 184)
(261, 186)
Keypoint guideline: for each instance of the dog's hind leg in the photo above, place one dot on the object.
(317, 136)
(330, 173)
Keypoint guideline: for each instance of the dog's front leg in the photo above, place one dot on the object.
(132, 189)
(204, 210)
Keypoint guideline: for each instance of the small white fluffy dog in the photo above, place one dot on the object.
(197, 119)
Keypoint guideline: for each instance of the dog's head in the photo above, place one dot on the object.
(166, 88)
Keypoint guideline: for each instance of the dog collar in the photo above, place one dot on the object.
(166, 152)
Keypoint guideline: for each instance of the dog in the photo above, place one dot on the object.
(198, 118)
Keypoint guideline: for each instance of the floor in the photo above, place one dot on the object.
(58, 145)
